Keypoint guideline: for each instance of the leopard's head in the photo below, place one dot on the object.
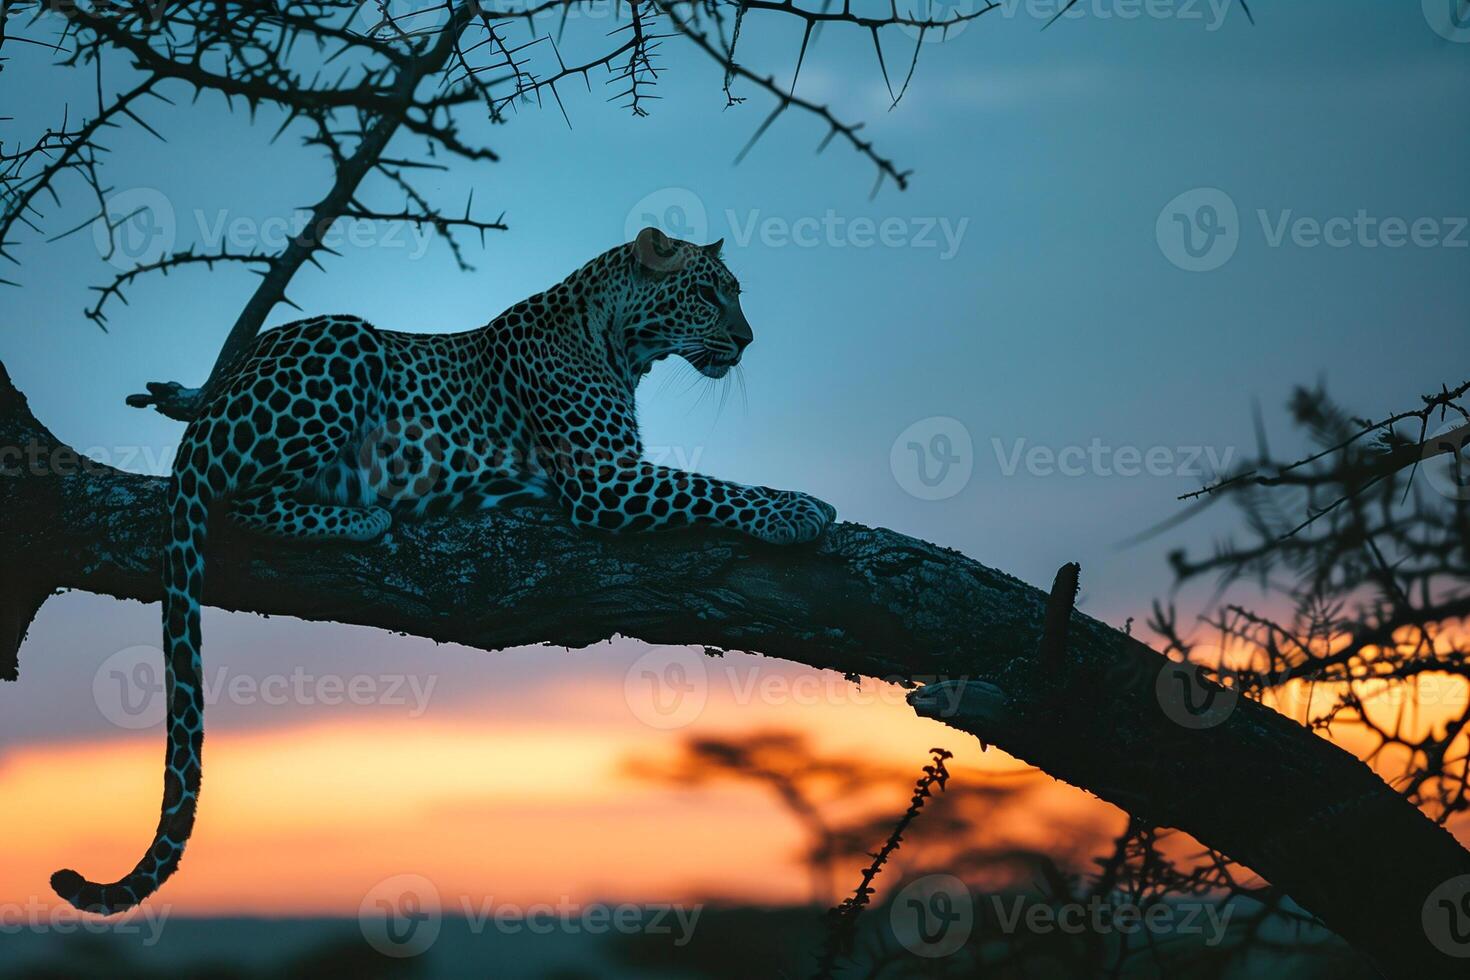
(683, 301)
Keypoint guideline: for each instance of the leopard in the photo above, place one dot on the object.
(330, 429)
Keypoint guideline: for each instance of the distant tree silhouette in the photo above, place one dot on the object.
(959, 834)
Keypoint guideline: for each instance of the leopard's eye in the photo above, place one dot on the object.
(706, 291)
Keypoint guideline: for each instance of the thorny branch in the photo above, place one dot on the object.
(360, 76)
(843, 919)
(1371, 642)
(1363, 630)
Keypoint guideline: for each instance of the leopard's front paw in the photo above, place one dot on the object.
(794, 518)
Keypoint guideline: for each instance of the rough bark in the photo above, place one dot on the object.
(1083, 706)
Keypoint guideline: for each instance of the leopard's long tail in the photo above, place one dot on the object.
(183, 586)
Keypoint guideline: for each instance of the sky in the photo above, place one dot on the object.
(1120, 232)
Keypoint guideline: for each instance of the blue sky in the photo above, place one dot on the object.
(1051, 316)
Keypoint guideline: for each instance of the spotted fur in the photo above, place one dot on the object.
(331, 427)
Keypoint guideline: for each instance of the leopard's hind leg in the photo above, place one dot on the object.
(277, 511)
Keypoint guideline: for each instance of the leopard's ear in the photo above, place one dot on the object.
(656, 238)
(713, 249)
(654, 254)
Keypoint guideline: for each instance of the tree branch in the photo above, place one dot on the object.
(176, 401)
(1310, 818)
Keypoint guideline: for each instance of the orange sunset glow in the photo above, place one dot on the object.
(302, 820)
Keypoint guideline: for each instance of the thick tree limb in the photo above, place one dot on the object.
(1306, 815)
